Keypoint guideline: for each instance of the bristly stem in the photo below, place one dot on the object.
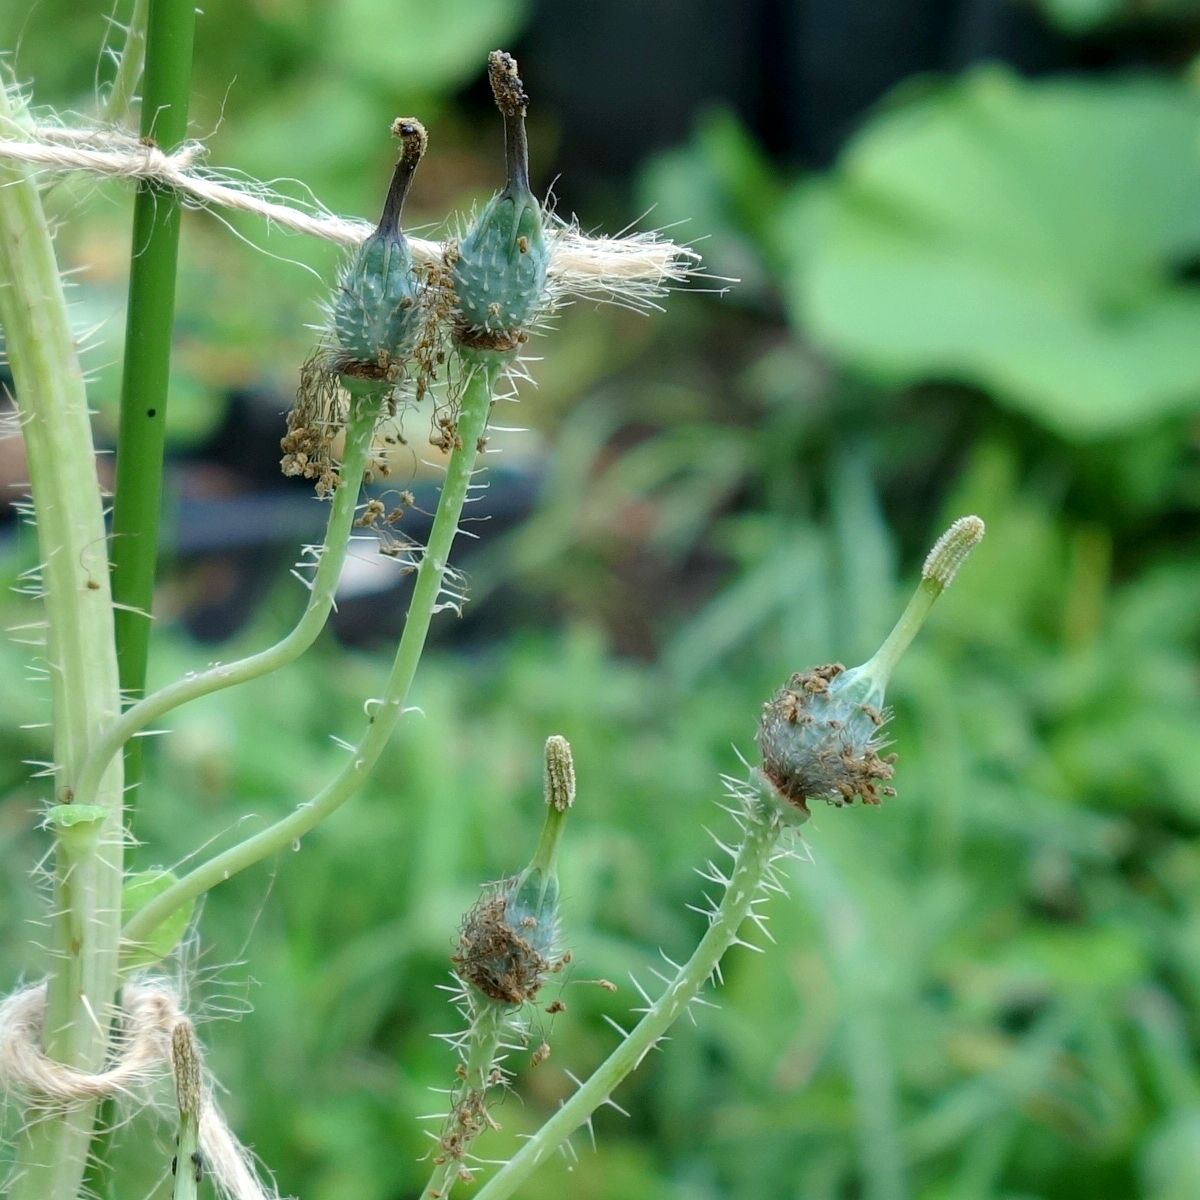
(488, 1021)
(331, 557)
(750, 869)
(119, 102)
(146, 376)
(80, 660)
(385, 710)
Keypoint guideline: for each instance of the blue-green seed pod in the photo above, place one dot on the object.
(509, 939)
(500, 270)
(819, 738)
(376, 316)
(819, 734)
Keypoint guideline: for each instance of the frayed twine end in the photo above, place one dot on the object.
(155, 1038)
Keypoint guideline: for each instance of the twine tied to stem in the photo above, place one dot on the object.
(153, 1038)
(631, 269)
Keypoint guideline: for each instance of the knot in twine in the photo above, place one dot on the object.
(153, 1037)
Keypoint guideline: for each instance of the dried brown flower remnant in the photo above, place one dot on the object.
(499, 958)
(819, 740)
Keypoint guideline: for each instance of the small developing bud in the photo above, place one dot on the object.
(500, 266)
(185, 1062)
(819, 735)
(951, 549)
(376, 315)
(509, 939)
(560, 773)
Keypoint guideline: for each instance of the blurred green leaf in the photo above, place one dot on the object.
(422, 46)
(1029, 238)
(138, 890)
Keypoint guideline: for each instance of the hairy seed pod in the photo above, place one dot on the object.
(819, 736)
(500, 269)
(376, 317)
(507, 942)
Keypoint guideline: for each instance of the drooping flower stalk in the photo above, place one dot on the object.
(474, 407)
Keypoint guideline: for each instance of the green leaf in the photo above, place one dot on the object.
(138, 890)
(68, 816)
(1028, 238)
(419, 46)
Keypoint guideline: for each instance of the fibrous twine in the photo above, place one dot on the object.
(631, 269)
(151, 1030)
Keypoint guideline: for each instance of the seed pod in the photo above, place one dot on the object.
(509, 939)
(500, 268)
(819, 735)
(819, 739)
(376, 315)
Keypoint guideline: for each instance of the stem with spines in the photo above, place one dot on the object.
(386, 711)
(751, 869)
(488, 1021)
(80, 652)
(331, 557)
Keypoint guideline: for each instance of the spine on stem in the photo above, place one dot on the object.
(81, 656)
(819, 739)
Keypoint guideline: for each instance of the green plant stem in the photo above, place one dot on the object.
(387, 709)
(360, 425)
(81, 658)
(750, 867)
(119, 102)
(149, 324)
(487, 1026)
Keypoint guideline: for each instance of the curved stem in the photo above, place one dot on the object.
(749, 870)
(360, 425)
(473, 416)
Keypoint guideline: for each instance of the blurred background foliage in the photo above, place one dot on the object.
(967, 237)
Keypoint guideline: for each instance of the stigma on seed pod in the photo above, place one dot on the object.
(499, 268)
(376, 316)
(820, 734)
(509, 939)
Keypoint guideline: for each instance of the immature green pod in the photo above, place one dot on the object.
(376, 316)
(509, 940)
(819, 738)
(500, 268)
(819, 735)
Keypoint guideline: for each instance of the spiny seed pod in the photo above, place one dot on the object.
(500, 268)
(819, 735)
(509, 939)
(376, 316)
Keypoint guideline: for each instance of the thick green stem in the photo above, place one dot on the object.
(749, 869)
(80, 658)
(386, 710)
(331, 557)
(149, 323)
(487, 1025)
